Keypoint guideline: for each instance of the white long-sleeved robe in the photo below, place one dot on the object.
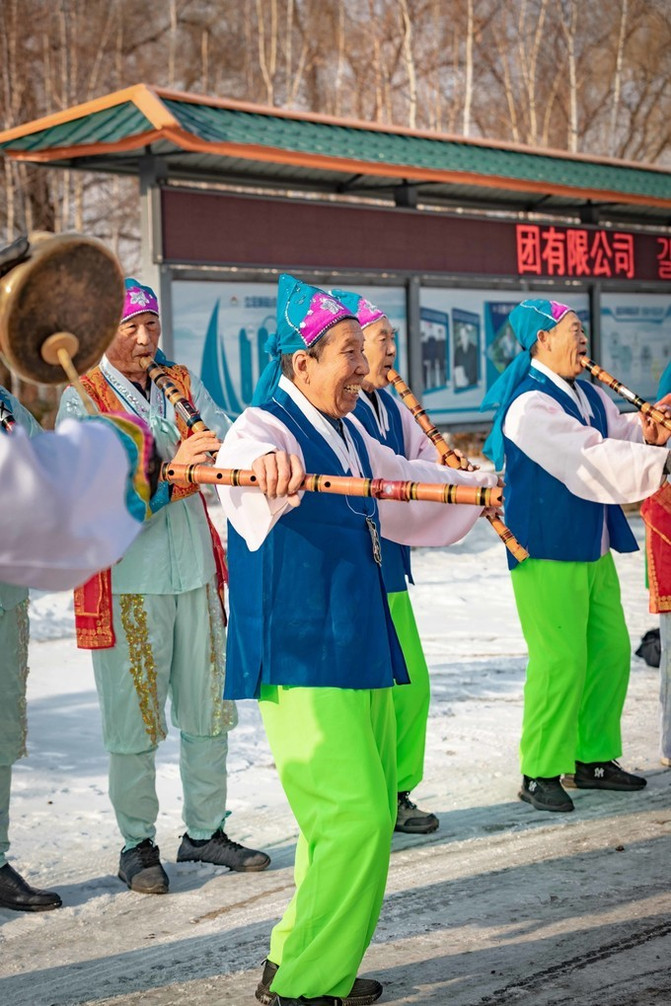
(63, 504)
(619, 468)
(253, 515)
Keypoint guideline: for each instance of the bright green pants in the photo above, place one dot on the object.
(411, 702)
(13, 677)
(166, 645)
(579, 660)
(335, 751)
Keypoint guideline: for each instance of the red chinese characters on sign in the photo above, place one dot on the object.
(558, 251)
(664, 258)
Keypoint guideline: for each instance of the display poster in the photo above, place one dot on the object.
(467, 342)
(636, 340)
(220, 331)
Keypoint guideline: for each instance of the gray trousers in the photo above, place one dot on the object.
(167, 645)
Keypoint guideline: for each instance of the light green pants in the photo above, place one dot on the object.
(579, 660)
(166, 645)
(411, 702)
(335, 751)
(13, 677)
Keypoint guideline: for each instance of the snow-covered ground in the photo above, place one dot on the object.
(496, 881)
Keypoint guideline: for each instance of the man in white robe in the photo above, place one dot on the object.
(54, 533)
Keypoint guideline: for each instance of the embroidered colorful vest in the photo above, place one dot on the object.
(309, 607)
(656, 512)
(93, 600)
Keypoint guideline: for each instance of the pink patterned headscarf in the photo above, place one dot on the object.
(139, 299)
(366, 313)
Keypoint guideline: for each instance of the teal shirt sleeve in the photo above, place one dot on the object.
(70, 406)
(212, 415)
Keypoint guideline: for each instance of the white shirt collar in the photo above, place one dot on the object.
(345, 451)
(129, 394)
(382, 419)
(573, 392)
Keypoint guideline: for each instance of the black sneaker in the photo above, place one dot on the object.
(606, 775)
(364, 991)
(221, 851)
(411, 820)
(140, 869)
(545, 794)
(17, 894)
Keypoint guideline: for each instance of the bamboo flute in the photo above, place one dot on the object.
(451, 458)
(341, 485)
(182, 405)
(645, 407)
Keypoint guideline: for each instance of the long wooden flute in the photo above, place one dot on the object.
(451, 458)
(342, 485)
(645, 407)
(180, 403)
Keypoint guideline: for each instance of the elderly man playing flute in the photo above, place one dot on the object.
(155, 621)
(571, 459)
(386, 419)
(311, 636)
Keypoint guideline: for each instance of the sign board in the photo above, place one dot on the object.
(223, 229)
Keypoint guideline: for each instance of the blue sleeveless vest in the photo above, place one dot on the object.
(541, 512)
(309, 607)
(395, 557)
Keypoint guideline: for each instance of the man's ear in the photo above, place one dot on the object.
(299, 361)
(543, 337)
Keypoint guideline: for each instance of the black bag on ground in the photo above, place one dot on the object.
(650, 648)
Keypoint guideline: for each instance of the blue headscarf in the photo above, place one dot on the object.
(304, 315)
(527, 320)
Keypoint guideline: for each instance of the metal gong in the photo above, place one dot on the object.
(66, 296)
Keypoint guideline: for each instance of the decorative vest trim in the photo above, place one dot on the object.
(309, 608)
(396, 567)
(93, 600)
(656, 512)
(549, 520)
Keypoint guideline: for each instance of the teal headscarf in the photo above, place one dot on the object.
(527, 320)
(304, 315)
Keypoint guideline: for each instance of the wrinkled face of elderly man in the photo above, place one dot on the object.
(137, 337)
(331, 375)
(561, 347)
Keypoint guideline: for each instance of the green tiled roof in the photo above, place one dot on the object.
(249, 145)
(225, 125)
(111, 125)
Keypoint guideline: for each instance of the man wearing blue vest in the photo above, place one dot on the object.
(389, 421)
(311, 636)
(571, 459)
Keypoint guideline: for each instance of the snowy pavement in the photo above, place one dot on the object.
(502, 905)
